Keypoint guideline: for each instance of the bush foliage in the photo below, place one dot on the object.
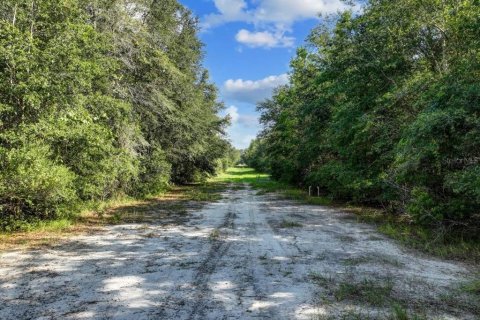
(100, 98)
(383, 107)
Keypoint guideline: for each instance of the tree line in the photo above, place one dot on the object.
(100, 98)
(383, 108)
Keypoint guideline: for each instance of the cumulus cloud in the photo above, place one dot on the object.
(253, 91)
(243, 127)
(228, 11)
(245, 120)
(264, 39)
(232, 112)
(262, 12)
(271, 18)
(288, 11)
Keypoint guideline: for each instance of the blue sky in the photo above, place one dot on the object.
(248, 47)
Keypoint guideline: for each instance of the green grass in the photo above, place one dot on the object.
(241, 175)
(207, 192)
(51, 226)
(264, 184)
(320, 279)
(472, 287)
(375, 293)
(372, 259)
(290, 224)
(214, 235)
(400, 313)
(430, 240)
(397, 314)
(446, 244)
(114, 211)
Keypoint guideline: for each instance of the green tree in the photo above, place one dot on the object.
(382, 108)
(99, 98)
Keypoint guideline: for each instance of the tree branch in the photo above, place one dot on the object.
(14, 20)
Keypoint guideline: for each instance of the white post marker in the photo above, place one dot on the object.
(318, 191)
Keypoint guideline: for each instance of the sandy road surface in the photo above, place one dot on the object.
(245, 257)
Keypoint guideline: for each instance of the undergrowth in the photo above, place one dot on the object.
(438, 241)
(122, 209)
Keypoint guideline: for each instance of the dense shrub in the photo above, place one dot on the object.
(154, 174)
(95, 102)
(32, 186)
(383, 107)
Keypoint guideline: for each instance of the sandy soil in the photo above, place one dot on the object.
(244, 257)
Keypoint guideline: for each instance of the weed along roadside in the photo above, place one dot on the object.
(176, 201)
(426, 239)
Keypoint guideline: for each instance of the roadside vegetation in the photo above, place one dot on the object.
(101, 101)
(382, 111)
(264, 184)
(174, 201)
(437, 241)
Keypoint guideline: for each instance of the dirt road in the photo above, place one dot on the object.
(247, 256)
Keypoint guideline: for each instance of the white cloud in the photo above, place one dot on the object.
(243, 127)
(253, 91)
(241, 139)
(228, 11)
(271, 18)
(231, 8)
(288, 11)
(264, 39)
(264, 12)
(232, 111)
(245, 120)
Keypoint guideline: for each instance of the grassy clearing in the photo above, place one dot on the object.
(263, 184)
